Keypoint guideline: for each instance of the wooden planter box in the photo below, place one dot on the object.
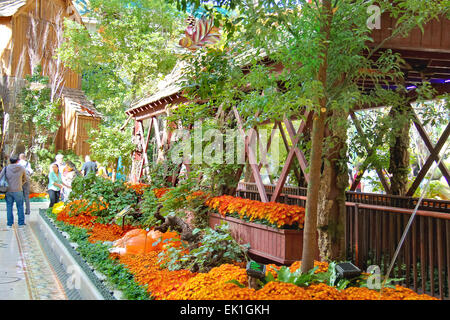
(278, 245)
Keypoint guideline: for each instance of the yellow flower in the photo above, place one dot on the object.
(58, 207)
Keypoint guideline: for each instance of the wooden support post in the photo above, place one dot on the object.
(252, 158)
(263, 154)
(144, 144)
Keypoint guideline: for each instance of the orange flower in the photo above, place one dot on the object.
(159, 193)
(276, 213)
(214, 285)
(282, 291)
(139, 188)
(107, 232)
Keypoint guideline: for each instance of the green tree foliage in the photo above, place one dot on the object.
(323, 48)
(108, 144)
(129, 52)
(38, 112)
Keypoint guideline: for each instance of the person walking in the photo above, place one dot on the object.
(55, 185)
(68, 176)
(16, 177)
(88, 166)
(59, 161)
(26, 187)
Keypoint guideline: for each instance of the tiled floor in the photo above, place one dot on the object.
(25, 273)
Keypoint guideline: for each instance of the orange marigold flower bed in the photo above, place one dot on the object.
(83, 207)
(139, 188)
(160, 282)
(402, 293)
(38, 195)
(80, 220)
(107, 232)
(272, 268)
(216, 285)
(356, 293)
(197, 194)
(213, 285)
(276, 213)
(322, 291)
(159, 193)
(282, 291)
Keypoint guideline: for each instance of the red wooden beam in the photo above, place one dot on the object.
(300, 155)
(429, 145)
(434, 156)
(286, 145)
(290, 157)
(370, 151)
(252, 158)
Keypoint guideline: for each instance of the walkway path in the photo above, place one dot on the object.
(25, 271)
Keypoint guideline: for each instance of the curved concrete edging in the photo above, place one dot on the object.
(78, 277)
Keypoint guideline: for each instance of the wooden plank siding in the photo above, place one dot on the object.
(15, 62)
(14, 57)
(435, 37)
(84, 125)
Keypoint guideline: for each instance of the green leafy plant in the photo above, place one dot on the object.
(95, 189)
(216, 247)
(330, 278)
(148, 206)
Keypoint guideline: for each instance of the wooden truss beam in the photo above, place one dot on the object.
(293, 151)
(370, 151)
(251, 157)
(434, 156)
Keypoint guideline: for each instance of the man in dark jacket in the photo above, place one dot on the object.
(16, 177)
(89, 166)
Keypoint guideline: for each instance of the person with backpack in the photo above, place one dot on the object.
(16, 177)
(89, 166)
(26, 187)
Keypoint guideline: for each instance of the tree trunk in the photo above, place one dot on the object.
(248, 174)
(399, 153)
(310, 228)
(334, 181)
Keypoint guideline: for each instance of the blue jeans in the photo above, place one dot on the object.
(10, 198)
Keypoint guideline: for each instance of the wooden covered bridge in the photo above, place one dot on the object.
(374, 223)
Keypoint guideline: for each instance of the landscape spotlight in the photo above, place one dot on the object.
(347, 270)
(256, 270)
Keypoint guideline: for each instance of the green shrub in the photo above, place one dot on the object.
(95, 189)
(215, 247)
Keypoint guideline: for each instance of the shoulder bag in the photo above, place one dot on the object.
(4, 183)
